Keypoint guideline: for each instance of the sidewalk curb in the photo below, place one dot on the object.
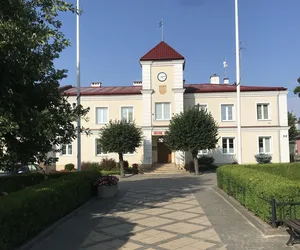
(45, 233)
(262, 226)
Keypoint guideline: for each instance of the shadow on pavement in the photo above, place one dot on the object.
(106, 222)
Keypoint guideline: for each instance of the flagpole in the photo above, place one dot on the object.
(78, 88)
(238, 87)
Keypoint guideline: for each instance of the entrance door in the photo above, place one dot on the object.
(164, 154)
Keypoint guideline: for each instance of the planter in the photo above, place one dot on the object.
(107, 191)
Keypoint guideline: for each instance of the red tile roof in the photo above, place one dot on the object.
(113, 90)
(211, 88)
(161, 51)
(190, 88)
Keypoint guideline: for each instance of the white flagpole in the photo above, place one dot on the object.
(238, 81)
(78, 88)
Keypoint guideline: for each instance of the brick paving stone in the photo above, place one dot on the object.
(160, 212)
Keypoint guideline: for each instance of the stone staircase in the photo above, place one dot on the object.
(167, 168)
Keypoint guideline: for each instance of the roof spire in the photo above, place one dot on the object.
(161, 25)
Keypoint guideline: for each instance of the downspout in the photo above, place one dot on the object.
(278, 110)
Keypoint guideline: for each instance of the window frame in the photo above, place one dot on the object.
(67, 149)
(234, 146)
(127, 106)
(96, 153)
(269, 111)
(233, 112)
(96, 114)
(163, 119)
(271, 144)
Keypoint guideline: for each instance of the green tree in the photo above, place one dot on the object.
(191, 131)
(120, 137)
(292, 122)
(297, 89)
(34, 115)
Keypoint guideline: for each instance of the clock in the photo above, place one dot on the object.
(162, 76)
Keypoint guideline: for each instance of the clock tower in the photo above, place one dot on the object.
(162, 90)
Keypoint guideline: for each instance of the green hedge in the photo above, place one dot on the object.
(290, 171)
(112, 172)
(15, 183)
(261, 184)
(25, 213)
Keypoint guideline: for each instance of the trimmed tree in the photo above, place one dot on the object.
(120, 137)
(191, 131)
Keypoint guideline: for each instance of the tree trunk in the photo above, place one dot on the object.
(121, 161)
(196, 165)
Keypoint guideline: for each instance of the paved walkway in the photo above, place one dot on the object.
(160, 212)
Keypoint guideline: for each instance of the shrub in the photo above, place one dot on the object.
(263, 158)
(189, 167)
(206, 161)
(25, 213)
(205, 164)
(15, 183)
(290, 171)
(135, 168)
(260, 186)
(109, 164)
(112, 172)
(90, 166)
(69, 166)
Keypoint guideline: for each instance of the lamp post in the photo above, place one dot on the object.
(238, 87)
(78, 89)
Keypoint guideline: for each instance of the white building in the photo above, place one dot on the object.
(162, 93)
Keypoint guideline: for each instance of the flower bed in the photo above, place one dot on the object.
(107, 186)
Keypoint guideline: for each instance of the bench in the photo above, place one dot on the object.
(294, 231)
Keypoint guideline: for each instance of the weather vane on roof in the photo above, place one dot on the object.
(161, 25)
(225, 65)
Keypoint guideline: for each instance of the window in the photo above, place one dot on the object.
(202, 106)
(127, 113)
(101, 115)
(162, 111)
(99, 150)
(262, 111)
(66, 149)
(228, 145)
(227, 112)
(264, 145)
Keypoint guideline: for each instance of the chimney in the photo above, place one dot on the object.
(226, 80)
(137, 83)
(215, 79)
(96, 84)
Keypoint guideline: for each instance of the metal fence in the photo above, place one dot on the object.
(279, 210)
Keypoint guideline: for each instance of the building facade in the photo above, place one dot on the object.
(161, 93)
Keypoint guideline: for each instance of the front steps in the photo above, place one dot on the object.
(168, 168)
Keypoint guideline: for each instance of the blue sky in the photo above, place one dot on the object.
(115, 34)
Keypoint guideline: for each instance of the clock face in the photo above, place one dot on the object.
(162, 76)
